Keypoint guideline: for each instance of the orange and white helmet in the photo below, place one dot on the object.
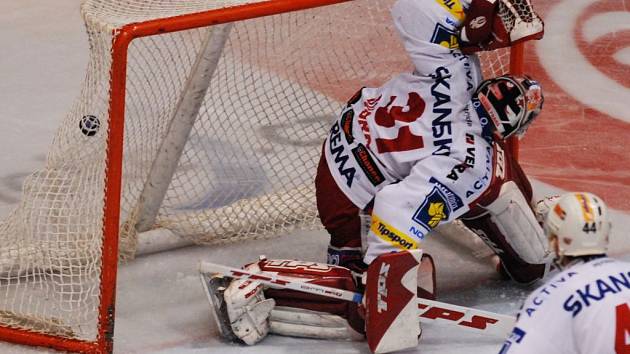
(581, 224)
(512, 102)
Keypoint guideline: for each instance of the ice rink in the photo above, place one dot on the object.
(579, 143)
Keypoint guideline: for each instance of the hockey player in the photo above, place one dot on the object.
(586, 307)
(417, 152)
(424, 149)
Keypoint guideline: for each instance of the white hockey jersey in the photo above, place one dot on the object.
(584, 309)
(416, 147)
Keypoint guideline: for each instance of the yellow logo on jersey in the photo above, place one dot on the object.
(454, 7)
(445, 37)
(436, 212)
(391, 235)
(453, 43)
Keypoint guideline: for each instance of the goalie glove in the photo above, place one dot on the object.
(494, 24)
(239, 307)
(496, 37)
(477, 26)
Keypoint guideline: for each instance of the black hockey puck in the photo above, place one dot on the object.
(89, 125)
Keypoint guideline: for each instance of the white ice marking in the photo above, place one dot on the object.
(568, 67)
(605, 23)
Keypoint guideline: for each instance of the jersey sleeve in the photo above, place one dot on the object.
(523, 341)
(429, 31)
(540, 328)
(405, 212)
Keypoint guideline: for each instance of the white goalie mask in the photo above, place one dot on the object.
(581, 224)
(512, 102)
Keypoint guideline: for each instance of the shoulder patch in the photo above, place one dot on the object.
(368, 165)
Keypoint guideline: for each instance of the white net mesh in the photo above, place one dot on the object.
(246, 171)
(519, 18)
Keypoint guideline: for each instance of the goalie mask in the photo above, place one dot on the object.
(512, 102)
(581, 224)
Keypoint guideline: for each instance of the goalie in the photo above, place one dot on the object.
(424, 149)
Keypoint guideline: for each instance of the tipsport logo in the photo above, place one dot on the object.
(391, 235)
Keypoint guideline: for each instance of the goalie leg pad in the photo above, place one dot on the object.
(510, 228)
(392, 321)
(515, 219)
(304, 303)
(297, 322)
(246, 314)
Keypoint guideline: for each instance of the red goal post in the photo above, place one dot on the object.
(56, 328)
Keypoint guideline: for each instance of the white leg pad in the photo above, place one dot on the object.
(515, 219)
(296, 322)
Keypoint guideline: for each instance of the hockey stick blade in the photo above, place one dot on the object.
(484, 322)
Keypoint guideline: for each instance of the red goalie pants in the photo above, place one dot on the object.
(341, 219)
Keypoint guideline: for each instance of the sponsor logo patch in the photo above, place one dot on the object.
(391, 235)
(437, 206)
(346, 125)
(368, 165)
(453, 201)
(445, 37)
(432, 211)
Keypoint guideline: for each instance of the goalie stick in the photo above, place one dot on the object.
(483, 322)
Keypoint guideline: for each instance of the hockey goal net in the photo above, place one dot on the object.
(201, 119)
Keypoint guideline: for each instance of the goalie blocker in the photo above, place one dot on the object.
(246, 311)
